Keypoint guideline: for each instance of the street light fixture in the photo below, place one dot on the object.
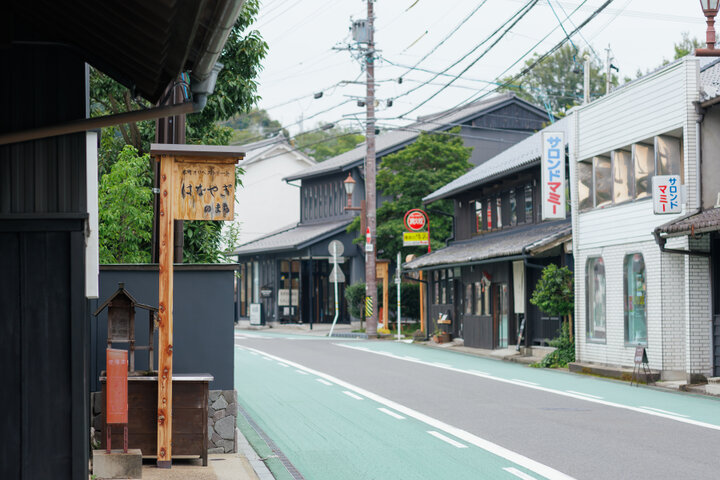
(710, 10)
(349, 184)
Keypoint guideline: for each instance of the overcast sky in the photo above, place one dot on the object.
(304, 37)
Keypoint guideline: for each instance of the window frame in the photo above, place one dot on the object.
(626, 321)
(591, 301)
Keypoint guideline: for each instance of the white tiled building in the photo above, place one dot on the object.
(628, 292)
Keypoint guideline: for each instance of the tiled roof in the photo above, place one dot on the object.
(495, 245)
(705, 221)
(396, 139)
(517, 157)
(709, 79)
(293, 237)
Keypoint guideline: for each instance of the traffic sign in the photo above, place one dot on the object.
(337, 275)
(336, 248)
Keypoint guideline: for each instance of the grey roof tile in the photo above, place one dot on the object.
(292, 237)
(495, 245)
(705, 221)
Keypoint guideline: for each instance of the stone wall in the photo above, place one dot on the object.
(222, 419)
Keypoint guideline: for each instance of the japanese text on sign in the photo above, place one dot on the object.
(204, 191)
(666, 194)
(553, 175)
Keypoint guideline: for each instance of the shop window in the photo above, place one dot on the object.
(623, 181)
(479, 216)
(482, 299)
(513, 208)
(469, 299)
(669, 156)
(602, 181)
(595, 292)
(528, 204)
(586, 193)
(644, 169)
(635, 290)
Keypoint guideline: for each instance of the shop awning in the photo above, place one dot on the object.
(702, 222)
(504, 245)
(293, 237)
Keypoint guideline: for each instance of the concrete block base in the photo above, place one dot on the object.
(117, 464)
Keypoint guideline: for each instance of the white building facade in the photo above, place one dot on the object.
(628, 292)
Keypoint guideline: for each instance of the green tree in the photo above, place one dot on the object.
(686, 46)
(558, 80)
(407, 176)
(554, 295)
(323, 144)
(253, 126)
(125, 209)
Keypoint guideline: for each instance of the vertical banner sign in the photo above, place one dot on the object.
(117, 386)
(666, 194)
(553, 175)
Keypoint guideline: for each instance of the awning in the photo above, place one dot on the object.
(697, 223)
(497, 246)
(294, 237)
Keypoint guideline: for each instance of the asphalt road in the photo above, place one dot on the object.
(385, 410)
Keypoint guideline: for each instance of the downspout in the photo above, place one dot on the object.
(525, 256)
(662, 241)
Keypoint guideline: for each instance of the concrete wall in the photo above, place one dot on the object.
(203, 319)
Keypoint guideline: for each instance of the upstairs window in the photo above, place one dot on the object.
(623, 182)
(668, 156)
(644, 169)
(602, 181)
(513, 208)
(528, 204)
(479, 227)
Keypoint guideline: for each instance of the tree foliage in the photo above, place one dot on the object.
(558, 81)
(554, 292)
(407, 176)
(686, 46)
(323, 144)
(125, 209)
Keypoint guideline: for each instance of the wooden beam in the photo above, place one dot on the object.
(165, 319)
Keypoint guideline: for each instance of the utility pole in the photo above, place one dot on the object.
(370, 170)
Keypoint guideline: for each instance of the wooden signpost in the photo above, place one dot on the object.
(197, 182)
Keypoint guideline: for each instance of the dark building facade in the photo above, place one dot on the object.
(287, 272)
(483, 279)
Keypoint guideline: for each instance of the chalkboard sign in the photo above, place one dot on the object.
(640, 354)
(641, 366)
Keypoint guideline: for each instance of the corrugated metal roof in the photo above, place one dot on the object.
(494, 245)
(517, 157)
(293, 237)
(705, 221)
(396, 139)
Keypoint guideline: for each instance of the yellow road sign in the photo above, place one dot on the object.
(415, 238)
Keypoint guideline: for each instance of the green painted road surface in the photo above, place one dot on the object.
(331, 432)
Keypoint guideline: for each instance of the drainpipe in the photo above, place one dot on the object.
(525, 256)
(662, 241)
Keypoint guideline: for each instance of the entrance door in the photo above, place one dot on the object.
(501, 317)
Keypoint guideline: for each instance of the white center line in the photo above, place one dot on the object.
(391, 413)
(446, 439)
(586, 398)
(301, 372)
(351, 394)
(584, 394)
(665, 411)
(541, 469)
(324, 382)
(519, 474)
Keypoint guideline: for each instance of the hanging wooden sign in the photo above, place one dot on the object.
(203, 190)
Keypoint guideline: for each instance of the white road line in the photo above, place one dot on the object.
(301, 372)
(519, 474)
(351, 394)
(440, 364)
(479, 372)
(266, 358)
(391, 413)
(446, 439)
(524, 381)
(283, 365)
(607, 403)
(665, 411)
(253, 353)
(514, 457)
(324, 382)
(583, 394)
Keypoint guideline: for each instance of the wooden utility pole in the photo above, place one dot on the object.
(370, 171)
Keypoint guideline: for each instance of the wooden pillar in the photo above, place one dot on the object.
(423, 286)
(386, 297)
(165, 319)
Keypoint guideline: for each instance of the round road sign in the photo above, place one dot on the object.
(415, 221)
(336, 248)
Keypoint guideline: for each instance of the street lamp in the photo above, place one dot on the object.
(349, 184)
(710, 10)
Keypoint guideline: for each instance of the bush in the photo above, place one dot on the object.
(355, 296)
(565, 352)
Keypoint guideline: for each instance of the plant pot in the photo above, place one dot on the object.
(442, 338)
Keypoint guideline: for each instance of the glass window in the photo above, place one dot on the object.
(489, 215)
(623, 181)
(436, 282)
(585, 185)
(443, 287)
(499, 215)
(634, 287)
(669, 156)
(528, 204)
(478, 216)
(469, 299)
(603, 181)
(595, 291)
(513, 208)
(644, 160)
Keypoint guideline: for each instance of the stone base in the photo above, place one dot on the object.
(117, 464)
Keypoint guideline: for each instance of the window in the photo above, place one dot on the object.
(528, 204)
(499, 216)
(482, 299)
(595, 291)
(469, 299)
(602, 181)
(623, 181)
(513, 208)
(634, 289)
(443, 287)
(489, 215)
(478, 217)
(586, 193)
(644, 160)
(436, 281)
(668, 156)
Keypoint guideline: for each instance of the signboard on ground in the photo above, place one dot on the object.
(553, 175)
(204, 191)
(117, 386)
(255, 314)
(666, 194)
(415, 238)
